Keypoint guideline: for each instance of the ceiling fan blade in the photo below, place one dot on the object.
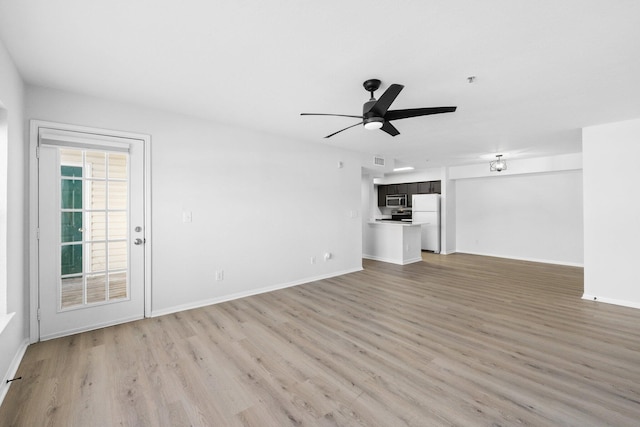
(348, 127)
(389, 128)
(335, 115)
(384, 102)
(415, 112)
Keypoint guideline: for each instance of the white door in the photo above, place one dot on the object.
(91, 228)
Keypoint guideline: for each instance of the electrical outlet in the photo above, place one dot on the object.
(219, 275)
(186, 216)
(313, 260)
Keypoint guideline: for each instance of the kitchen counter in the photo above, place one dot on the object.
(397, 242)
(391, 221)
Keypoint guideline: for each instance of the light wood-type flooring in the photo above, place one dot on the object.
(454, 340)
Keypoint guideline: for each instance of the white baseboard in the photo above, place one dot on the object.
(605, 300)
(544, 261)
(391, 261)
(238, 295)
(13, 368)
(89, 328)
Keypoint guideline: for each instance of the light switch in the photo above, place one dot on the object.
(186, 216)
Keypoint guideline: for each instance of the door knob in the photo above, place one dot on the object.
(138, 241)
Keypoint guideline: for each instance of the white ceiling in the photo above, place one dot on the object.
(544, 68)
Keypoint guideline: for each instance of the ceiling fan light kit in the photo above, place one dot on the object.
(373, 123)
(376, 113)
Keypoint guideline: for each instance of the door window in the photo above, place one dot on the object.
(94, 222)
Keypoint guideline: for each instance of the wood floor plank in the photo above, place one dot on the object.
(453, 340)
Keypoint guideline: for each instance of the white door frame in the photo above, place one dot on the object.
(35, 125)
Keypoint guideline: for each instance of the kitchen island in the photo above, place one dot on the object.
(397, 242)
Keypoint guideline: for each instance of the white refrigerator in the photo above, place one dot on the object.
(425, 210)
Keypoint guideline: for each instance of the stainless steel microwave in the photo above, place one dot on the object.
(397, 201)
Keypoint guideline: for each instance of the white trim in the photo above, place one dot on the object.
(101, 134)
(13, 368)
(392, 260)
(34, 260)
(50, 136)
(238, 295)
(90, 328)
(147, 229)
(544, 261)
(620, 302)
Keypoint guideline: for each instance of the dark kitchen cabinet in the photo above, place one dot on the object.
(382, 195)
(412, 188)
(424, 187)
(409, 188)
(396, 188)
(430, 187)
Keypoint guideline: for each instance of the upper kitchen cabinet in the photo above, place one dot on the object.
(424, 187)
(396, 188)
(429, 187)
(382, 195)
(412, 188)
(408, 188)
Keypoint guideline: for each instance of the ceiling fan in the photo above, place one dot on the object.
(376, 113)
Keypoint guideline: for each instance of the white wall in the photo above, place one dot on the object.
(563, 162)
(536, 217)
(432, 174)
(262, 206)
(369, 204)
(612, 213)
(13, 273)
(448, 217)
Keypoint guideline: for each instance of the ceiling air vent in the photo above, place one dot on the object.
(378, 161)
